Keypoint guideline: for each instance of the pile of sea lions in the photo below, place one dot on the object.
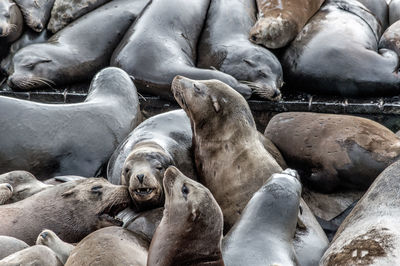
(337, 47)
(99, 183)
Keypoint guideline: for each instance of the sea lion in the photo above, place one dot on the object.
(391, 38)
(225, 45)
(280, 21)
(264, 233)
(27, 38)
(190, 232)
(36, 255)
(394, 11)
(227, 147)
(84, 135)
(36, 12)
(6, 191)
(24, 185)
(72, 210)
(75, 53)
(66, 11)
(345, 34)
(11, 22)
(380, 9)
(162, 44)
(334, 151)
(145, 222)
(51, 240)
(142, 158)
(10, 245)
(111, 246)
(370, 234)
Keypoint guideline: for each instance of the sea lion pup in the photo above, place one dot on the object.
(66, 11)
(350, 32)
(227, 147)
(84, 134)
(10, 245)
(264, 233)
(24, 185)
(334, 151)
(394, 11)
(142, 158)
(36, 255)
(88, 204)
(380, 9)
(6, 191)
(162, 43)
(370, 234)
(111, 246)
(75, 53)
(225, 45)
(391, 38)
(36, 13)
(27, 38)
(51, 240)
(11, 23)
(279, 22)
(190, 231)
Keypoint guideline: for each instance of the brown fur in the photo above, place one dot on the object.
(279, 21)
(190, 232)
(110, 246)
(231, 160)
(72, 210)
(334, 150)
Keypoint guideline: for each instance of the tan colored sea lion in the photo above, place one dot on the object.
(334, 151)
(227, 146)
(37, 255)
(112, 246)
(279, 21)
(49, 239)
(190, 232)
(72, 210)
(6, 191)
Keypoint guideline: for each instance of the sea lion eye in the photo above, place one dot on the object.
(97, 189)
(159, 167)
(185, 190)
(30, 66)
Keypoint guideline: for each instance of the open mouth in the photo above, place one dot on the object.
(144, 191)
(110, 213)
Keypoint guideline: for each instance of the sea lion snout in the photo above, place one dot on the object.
(140, 178)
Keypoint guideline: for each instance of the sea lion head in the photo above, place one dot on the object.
(143, 172)
(24, 183)
(6, 191)
(261, 71)
(273, 32)
(210, 102)
(50, 239)
(11, 21)
(96, 197)
(192, 218)
(32, 68)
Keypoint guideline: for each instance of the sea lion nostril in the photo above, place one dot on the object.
(140, 178)
(254, 38)
(44, 235)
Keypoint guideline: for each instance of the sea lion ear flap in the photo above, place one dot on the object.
(194, 215)
(215, 103)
